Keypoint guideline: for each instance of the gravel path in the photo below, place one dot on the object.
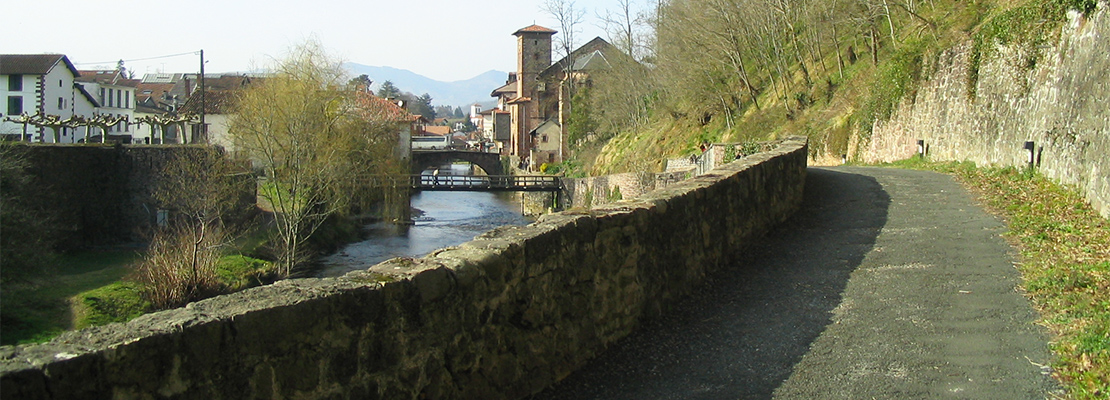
(887, 284)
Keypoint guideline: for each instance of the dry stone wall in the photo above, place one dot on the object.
(500, 317)
(1061, 105)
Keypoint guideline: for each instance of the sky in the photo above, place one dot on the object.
(446, 40)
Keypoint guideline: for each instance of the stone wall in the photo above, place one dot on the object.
(1061, 105)
(500, 317)
(100, 194)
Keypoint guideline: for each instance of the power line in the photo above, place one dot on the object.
(138, 59)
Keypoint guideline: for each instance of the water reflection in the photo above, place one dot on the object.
(448, 219)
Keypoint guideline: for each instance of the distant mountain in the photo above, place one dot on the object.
(455, 94)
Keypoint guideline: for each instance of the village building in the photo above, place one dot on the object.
(537, 95)
(43, 84)
(218, 96)
(116, 94)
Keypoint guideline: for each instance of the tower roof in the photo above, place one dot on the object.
(534, 29)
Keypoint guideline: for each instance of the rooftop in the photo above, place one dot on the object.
(534, 29)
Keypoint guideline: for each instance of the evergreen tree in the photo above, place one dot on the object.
(388, 91)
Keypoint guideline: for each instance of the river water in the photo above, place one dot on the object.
(447, 219)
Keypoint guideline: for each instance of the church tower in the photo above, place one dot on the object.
(533, 45)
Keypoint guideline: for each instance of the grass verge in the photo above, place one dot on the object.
(38, 309)
(1065, 264)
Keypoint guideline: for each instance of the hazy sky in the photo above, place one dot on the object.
(446, 40)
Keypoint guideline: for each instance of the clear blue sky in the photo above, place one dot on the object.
(446, 40)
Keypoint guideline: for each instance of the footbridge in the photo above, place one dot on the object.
(425, 159)
(472, 183)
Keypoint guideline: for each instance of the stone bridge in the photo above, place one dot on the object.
(424, 159)
(499, 317)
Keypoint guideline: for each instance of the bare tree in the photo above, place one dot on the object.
(625, 27)
(570, 19)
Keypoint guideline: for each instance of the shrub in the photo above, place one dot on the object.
(180, 267)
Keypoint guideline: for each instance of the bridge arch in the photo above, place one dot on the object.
(424, 159)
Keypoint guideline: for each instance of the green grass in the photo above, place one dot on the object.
(115, 302)
(1065, 264)
(241, 272)
(89, 289)
(39, 309)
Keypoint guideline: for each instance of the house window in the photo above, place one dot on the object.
(101, 95)
(59, 83)
(15, 83)
(15, 105)
(126, 99)
(61, 103)
(544, 138)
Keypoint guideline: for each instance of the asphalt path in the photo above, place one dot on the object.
(886, 284)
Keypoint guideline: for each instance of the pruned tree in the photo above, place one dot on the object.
(164, 121)
(54, 122)
(104, 122)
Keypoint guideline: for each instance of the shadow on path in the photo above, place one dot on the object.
(742, 334)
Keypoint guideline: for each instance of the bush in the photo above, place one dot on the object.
(117, 302)
(180, 268)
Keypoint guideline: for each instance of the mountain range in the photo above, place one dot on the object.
(455, 94)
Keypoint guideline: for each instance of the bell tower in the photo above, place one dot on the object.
(533, 55)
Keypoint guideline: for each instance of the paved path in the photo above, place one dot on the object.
(887, 284)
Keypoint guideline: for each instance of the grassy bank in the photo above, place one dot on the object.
(90, 288)
(1065, 264)
(41, 308)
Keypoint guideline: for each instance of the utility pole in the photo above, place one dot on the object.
(203, 126)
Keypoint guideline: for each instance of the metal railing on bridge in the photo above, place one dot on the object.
(474, 183)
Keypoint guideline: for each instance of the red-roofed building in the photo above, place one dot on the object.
(438, 130)
(407, 124)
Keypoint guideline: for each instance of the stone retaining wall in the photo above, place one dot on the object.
(102, 194)
(1060, 105)
(500, 317)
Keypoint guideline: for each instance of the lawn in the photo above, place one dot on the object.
(40, 309)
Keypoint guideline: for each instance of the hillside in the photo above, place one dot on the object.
(456, 94)
(1021, 84)
(828, 70)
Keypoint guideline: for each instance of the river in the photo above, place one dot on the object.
(446, 219)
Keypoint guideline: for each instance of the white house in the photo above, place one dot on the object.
(476, 116)
(116, 95)
(42, 84)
